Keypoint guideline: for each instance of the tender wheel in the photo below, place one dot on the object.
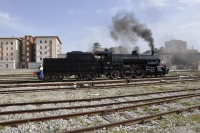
(53, 77)
(46, 77)
(79, 76)
(138, 72)
(126, 72)
(115, 74)
(92, 76)
(59, 77)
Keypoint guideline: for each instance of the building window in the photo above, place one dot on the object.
(1, 43)
(6, 48)
(11, 54)
(27, 54)
(45, 47)
(40, 58)
(11, 48)
(7, 59)
(40, 41)
(11, 43)
(6, 65)
(45, 41)
(11, 58)
(50, 42)
(45, 52)
(40, 52)
(40, 47)
(6, 54)
(27, 48)
(6, 43)
(27, 59)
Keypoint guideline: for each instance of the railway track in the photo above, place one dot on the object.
(141, 120)
(32, 81)
(99, 85)
(103, 112)
(97, 99)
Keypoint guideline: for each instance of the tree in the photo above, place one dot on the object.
(96, 45)
(185, 59)
(161, 49)
(137, 49)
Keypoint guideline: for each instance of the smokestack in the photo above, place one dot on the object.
(152, 52)
(120, 49)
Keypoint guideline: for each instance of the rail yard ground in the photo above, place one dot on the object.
(70, 114)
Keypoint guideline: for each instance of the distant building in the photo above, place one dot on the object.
(23, 52)
(10, 53)
(192, 51)
(198, 65)
(99, 49)
(27, 50)
(62, 56)
(47, 47)
(119, 50)
(175, 46)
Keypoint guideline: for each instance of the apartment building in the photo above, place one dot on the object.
(47, 47)
(27, 50)
(175, 46)
(10, 49)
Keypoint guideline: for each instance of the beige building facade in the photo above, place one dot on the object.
(19, 52)
(47, 47)
(175, 46)
(10, 49)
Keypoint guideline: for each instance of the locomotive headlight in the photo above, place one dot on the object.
(108, 62)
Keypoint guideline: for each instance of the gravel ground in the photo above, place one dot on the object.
(185, 122)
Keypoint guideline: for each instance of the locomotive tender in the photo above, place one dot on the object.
(87, 65)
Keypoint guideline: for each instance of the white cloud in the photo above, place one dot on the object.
(190, 2)
(99, 11)
(70, 12)
(6, 21)
(12, 23)
(153, 3)
(180, 8)
(114, 10)
(7, 16)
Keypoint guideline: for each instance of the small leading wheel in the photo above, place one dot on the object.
(115, 74)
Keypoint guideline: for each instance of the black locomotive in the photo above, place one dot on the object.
(87, 66)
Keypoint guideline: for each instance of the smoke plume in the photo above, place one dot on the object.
(126, 27)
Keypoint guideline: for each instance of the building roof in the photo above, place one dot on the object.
(49, 37)
(99, 49)
(10, 38)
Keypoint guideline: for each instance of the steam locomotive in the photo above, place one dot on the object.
(88, 66)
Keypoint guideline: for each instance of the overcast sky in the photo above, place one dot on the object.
(80, 23)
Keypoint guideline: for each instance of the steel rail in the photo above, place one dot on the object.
(66, 80)
(94, 87)
(133, 121)
(92, 82)
(93, 99)
(98, 112)
(97, 105)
